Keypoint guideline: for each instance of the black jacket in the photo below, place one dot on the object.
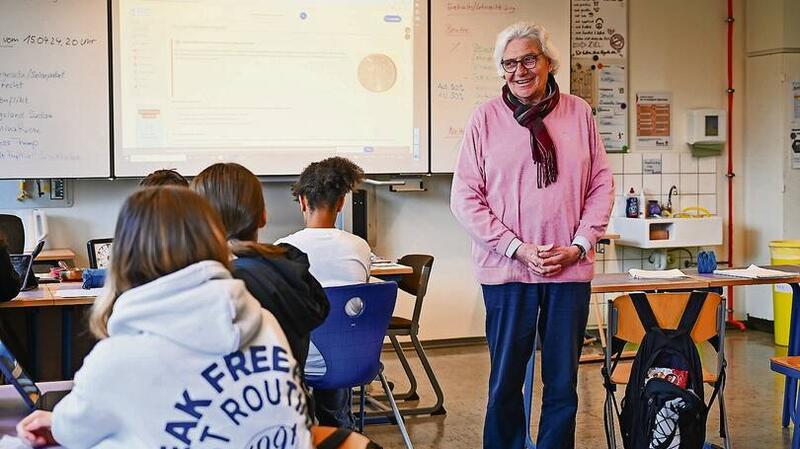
(9, 280)
(283, 285)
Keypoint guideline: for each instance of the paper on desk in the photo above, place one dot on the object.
(8, 442)
(656, 274)
(77, 293)
(754, 272)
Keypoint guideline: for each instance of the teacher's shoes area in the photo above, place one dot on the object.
(754, 397)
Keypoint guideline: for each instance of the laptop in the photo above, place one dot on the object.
(23, 265)
(25, 386)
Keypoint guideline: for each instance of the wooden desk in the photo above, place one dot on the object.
(54, 255)
(389, 269)
(46, 296)
(622, 282)
(718, 280)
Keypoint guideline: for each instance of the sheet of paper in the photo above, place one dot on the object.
(77, 292)
(656, 274)
(754, 272)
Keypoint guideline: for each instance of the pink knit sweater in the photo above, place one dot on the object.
(494, 194)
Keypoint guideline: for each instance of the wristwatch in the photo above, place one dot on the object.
(582, 251)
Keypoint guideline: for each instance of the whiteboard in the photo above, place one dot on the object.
(54, 89)
(463, 73)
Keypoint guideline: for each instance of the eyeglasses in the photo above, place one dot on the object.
(528, 61)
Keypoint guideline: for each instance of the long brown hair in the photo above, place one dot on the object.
(235, 193)
(160, 230)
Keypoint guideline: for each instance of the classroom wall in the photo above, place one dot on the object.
(675, 46)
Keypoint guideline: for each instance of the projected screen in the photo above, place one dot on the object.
(271, 84)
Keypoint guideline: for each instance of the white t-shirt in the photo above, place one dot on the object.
(336, 257)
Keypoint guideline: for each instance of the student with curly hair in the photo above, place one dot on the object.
(164, 177)
(337, 258)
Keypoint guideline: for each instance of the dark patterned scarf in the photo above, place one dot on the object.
(532, 117)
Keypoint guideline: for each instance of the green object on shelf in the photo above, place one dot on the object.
(706, 149)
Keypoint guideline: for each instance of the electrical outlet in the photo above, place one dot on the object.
(57, 188)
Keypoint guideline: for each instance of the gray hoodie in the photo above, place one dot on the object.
(192, 360)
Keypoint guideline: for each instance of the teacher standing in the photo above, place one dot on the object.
(533, 189)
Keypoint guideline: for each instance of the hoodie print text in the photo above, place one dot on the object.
(244, 385)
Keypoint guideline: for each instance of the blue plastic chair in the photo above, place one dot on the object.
(790, 367)
(351, 339)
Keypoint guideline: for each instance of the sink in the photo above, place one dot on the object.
(667, 232)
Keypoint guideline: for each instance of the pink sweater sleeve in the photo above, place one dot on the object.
(468, 194)
(600, 189)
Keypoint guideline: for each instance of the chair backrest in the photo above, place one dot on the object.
(417, 282)
(11, 226)
(668, 309)
(99, 252)
(351, 338)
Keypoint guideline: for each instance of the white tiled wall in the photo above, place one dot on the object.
(696, 180)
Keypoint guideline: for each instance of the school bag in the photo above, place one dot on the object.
(663, 406)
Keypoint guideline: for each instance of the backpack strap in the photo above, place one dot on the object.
(335, 439)
(692, 311)
(643, 309)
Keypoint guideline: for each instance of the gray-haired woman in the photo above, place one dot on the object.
(533, 188)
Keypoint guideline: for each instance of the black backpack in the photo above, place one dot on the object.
(643, 407)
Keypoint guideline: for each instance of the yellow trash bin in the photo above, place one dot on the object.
(783, 252)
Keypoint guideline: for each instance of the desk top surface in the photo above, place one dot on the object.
(623, 282)
(719, 280)
(47, 294)
(56, 254)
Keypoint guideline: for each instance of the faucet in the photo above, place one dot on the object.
(672, 190)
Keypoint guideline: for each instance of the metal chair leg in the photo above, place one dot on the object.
(411, 394)
(438, 408)
(789, 399)
(727, 440)
(396, 412)
(362, 409)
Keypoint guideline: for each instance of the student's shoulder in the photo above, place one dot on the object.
(109, 354)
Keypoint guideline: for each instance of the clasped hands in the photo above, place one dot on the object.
(547, 260)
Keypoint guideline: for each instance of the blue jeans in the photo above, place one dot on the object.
(331, 407)
(511, 317)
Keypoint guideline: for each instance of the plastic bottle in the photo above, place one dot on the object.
(642, 204)
(632, 205)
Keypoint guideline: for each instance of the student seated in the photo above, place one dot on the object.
(277, 276)
(187, 357)
(9, 279)
(164, 177)
(337, 258)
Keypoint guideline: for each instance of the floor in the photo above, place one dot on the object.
(753, 397)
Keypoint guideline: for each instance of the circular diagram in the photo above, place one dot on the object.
(377, 73)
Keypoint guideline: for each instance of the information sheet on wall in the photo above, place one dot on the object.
(653, 120)
(599, 62)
